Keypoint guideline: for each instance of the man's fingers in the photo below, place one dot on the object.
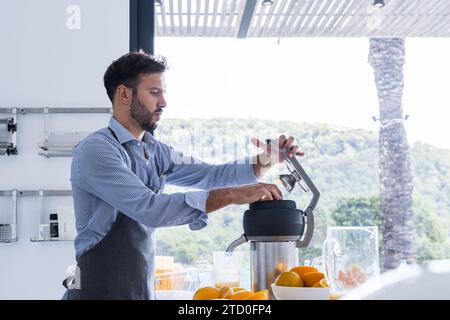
(267, 196)
(276, 193)
(289, 142)
(282, 140)
(293, 150)
(259, 144)
(270, 192)
(280, 194)
(285, 145)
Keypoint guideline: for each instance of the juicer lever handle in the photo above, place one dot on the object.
(301, 172)
(309, 222)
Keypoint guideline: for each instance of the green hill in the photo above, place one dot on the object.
(343, 163)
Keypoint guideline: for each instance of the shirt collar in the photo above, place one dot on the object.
(123, 135)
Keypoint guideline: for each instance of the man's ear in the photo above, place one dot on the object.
(124, 95)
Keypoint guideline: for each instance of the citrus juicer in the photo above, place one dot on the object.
(276, 229)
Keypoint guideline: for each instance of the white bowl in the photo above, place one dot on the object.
(174, 295)
(300, 293)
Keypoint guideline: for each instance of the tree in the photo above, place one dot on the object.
(357, 212)
(432, 241)
(387, 57)
(360, 212)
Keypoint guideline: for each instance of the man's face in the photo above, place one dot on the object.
(148, 101)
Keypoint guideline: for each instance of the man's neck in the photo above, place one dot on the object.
(132, 126)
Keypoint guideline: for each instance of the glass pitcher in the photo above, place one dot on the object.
(350, 257)
(227, 267)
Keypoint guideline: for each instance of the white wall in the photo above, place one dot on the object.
(44, 64)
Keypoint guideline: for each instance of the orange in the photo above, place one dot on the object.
(241, 295)
(312, 277)
(206, 293)
(237, 289)
(301, 270)
(321, 284)
(289, 279)
(226, 292)
(357, 274)
(281, 267)
(260, 295)
(226, 284)
(334, 296)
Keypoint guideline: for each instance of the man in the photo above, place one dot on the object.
(118, 174)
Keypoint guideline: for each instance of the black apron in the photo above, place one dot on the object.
(120, 266)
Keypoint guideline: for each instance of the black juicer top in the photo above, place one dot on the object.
(278, 218)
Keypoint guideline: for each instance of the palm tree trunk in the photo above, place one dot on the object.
(387, 57)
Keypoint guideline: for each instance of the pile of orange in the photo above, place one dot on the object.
(229, 293)
(302, 276)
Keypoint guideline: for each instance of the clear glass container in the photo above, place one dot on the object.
(350, 257)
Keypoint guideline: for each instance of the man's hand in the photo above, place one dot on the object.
(220, 198)
(255, 192)
(274, 153)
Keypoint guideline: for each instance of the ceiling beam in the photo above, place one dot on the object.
(246, 19)
(142, 25)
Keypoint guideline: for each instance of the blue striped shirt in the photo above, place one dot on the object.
(103, 184)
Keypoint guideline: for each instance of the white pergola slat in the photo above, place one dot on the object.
(304, 18)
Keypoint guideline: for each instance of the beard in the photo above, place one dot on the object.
(142, 116)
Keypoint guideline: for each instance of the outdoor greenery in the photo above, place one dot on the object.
(343, 164)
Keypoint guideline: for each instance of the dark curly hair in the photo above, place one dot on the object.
(127, 69)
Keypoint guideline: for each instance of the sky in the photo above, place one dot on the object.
(321, 80)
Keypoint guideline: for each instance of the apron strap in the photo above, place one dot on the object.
(127, 150)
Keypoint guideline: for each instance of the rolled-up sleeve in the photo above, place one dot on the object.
(197, 199)
(101, 170)
(188, 171)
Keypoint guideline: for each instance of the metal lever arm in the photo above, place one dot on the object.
(316, 194)
(306, 239)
